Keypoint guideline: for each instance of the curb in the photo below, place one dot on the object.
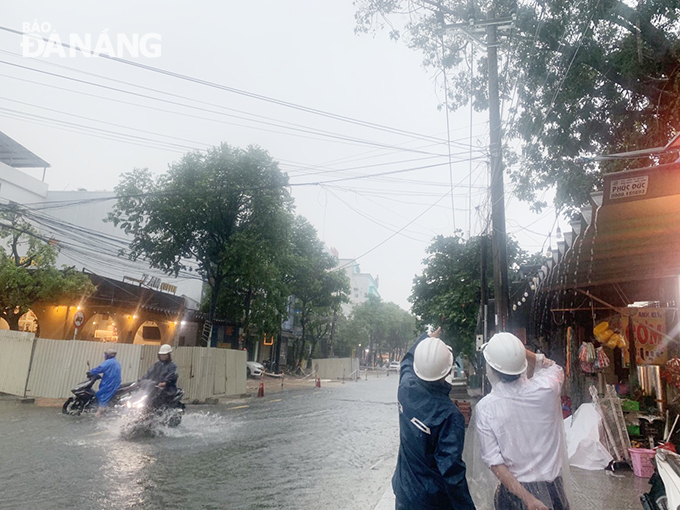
(388, 500)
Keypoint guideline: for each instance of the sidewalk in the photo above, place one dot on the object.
(273, 384)
(591, 490)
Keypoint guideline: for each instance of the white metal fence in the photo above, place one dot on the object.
(40, 367)
(336, 368)
(15, 361)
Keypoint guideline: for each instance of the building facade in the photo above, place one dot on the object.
(133, 303)
(362, 285)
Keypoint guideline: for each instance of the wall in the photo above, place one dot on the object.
(90, 213)
(15, 361)
(335, 368)
(40, 367)
(362, 285)
(20, 187)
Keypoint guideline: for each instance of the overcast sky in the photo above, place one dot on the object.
(301, 52)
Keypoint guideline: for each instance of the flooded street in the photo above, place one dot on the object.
(333, 447)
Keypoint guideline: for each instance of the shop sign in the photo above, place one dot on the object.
(628, 187)
(650, 347)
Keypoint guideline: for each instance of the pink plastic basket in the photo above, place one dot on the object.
(642, 461)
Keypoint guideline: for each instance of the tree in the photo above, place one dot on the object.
(581, 78)
(448, 292)
(318, 289)
(228, 209)
(27, 272)
(380, 327)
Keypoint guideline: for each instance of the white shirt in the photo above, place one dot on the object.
(520, 425)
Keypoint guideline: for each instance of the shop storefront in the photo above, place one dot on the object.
(606, 305)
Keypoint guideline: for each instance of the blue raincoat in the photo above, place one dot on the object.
(430, 472)
(110, 372)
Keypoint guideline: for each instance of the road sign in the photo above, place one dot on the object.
(78, 319)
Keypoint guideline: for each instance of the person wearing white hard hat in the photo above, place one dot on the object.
(430, 473)
(164, 372)
(519, 425)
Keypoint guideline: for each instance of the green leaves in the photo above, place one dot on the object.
(229, 211)
(448, 292)
(317, 287)
(381, 327)
(27, 272)
(582, 78)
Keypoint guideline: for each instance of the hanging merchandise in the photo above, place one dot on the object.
(592, 355)
(602, 359)
(570, 338)
(671, 373)
(600, 328)
(587, 357)
(617, 340)
(607, 336)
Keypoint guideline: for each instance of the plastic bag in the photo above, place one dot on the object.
(602, 359)
(592, 355)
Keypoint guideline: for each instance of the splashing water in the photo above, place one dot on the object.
(206, 427)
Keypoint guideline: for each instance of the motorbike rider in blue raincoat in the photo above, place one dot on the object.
(110, 372)
(430, 473)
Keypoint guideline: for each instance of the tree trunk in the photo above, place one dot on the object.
(313, 347)
(332, 338)
(214, 294)
(303, 328)
(246, 317)
(302, 349)
(12, 320)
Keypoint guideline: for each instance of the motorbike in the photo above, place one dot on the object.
(84, 399)
(664, 493)
(148, 407)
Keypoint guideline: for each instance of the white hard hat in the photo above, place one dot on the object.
(506, 354)
(165, 349)
(432, 359)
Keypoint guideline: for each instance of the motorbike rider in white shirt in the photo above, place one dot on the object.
(520, 429)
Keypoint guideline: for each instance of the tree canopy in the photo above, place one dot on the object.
(229, 210)
(578, 78)
(377, 327)
(27, 270)
(448, 292)
(318, 290)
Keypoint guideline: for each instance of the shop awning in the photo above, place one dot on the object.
(634, 235)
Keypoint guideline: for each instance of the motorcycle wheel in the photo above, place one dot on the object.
(72, 407)
(175, 420)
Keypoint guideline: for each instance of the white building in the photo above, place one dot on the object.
(75, 220)
(362, 285)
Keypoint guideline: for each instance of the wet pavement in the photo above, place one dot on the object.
(591, 490)
(332, 447)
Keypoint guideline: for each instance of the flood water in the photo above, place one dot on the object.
(333, 447)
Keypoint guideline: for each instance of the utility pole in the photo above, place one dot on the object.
(481, 363)
(474, 30)
(498, 235)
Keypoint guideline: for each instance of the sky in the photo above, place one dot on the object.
(334, 108)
